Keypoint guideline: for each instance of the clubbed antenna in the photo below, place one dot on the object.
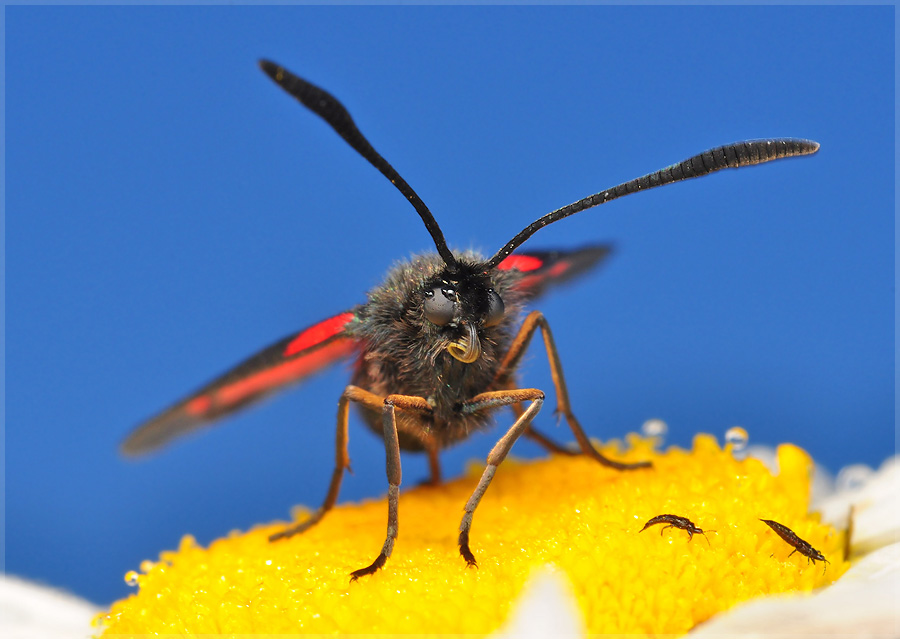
(327, 107)
(731, 156)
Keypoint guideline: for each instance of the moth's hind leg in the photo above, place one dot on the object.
(342, 458)
(503, 379)
(434, 463)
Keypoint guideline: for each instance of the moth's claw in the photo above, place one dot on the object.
(468, 556)
(370, 569)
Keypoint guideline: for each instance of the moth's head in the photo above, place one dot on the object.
(462, 301)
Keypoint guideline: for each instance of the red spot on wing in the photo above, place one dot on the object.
(528, 281)
(276, 376)
(558, 269)
(533, 280)
(318, 333)
(198, 405)
(523, 263)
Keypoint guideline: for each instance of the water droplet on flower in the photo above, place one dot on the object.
(853, 477)
(654, 428)
(131, 578)
(736, 438)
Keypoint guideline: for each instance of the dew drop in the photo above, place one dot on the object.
(654, 428)
(853, 477)
(737, 437)
(131, 578)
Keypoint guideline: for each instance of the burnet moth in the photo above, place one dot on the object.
(437, 345)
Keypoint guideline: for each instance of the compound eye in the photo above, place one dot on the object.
(496, 309)
(440, 305)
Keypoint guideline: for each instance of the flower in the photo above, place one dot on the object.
(567, 515)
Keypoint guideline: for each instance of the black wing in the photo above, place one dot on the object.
(285, 362)
(543, 269)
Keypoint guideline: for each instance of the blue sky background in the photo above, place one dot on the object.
(169, 211)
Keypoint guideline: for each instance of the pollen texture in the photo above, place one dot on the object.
(570, 512)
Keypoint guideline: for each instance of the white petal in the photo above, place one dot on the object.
(32, 611)
(546, 608)
(876, 509)
(863, 603)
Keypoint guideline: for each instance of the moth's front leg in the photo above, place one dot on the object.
(392, 452)
(487, 401)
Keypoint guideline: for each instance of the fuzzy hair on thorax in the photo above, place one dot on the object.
(404, 353)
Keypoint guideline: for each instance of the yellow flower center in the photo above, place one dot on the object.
(568, 512)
